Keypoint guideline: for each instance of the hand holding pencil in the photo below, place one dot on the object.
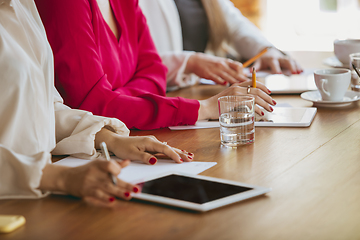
(256, 57)
(275, 60)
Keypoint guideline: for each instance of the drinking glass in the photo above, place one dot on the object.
(355, 79)
(237, 116)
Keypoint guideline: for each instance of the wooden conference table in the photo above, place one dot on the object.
(314, 174)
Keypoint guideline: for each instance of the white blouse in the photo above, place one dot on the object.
(165, 28)
(34, 122)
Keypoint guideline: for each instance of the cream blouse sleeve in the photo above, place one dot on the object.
(75, 130)
(20, 174)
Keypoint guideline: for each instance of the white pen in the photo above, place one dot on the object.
(107, 157)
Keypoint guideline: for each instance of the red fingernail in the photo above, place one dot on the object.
(111, 199)
(190, 157)
(262, 113)
(191, 154)
(152, 161)
(135, 189)
(269, 91)
(293, 72)
(271, 109)
(299, 72)
(274, 102)
(224, 83)
(127, 194)
(183, 150)
(181, 160)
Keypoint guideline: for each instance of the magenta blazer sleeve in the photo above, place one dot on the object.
(122, 78)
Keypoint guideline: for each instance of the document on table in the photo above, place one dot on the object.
(138, 170)
(285, 83)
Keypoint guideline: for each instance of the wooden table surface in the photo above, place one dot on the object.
(314, 174)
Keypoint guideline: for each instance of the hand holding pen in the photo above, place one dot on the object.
(105, 152)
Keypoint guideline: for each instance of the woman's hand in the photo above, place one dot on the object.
(140, 148)
(209, 108)
(218, 69)
(275, 61)
(90, 181)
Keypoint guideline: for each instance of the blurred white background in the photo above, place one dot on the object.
(310, 25)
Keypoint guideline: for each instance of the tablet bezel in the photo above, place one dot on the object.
(256, 191)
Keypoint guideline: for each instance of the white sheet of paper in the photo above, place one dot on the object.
(285, 83)
(138, 170)
(259, 74)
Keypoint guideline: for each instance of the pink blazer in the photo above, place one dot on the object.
(95, 72)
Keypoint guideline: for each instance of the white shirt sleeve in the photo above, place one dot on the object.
(76, 129)
(245, 37)
(20, 174)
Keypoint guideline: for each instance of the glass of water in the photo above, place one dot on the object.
(355, 79)
(237, 116)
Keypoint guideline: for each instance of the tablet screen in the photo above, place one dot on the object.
(190, 189)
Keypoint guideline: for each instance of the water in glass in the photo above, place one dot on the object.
(237, 128)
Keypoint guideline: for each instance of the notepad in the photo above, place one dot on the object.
(280, 117)
(290, 84)
(285, 83)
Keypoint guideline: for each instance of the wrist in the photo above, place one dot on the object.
(191, 63)
(104, 135)
(203, 110)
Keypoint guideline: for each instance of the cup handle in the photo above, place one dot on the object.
(322, 85)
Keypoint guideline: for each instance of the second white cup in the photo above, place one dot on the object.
(332, 83)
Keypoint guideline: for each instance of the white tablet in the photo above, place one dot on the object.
(290, 84)
(195, 192)
(280, 117)
(286, 117)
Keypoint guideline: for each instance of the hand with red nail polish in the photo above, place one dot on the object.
(141, 148)
(209, 107)
(91, 181)
(218, 69)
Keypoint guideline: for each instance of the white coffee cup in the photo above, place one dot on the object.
(332, 83)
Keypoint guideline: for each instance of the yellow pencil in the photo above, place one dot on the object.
(253, 77)
(253, 59)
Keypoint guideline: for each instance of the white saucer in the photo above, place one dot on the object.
(334, 62)
(315, 97)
